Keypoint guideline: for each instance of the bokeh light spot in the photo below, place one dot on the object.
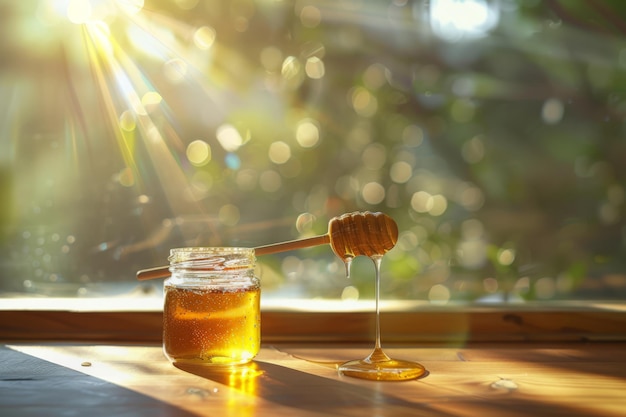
(305, 222)
(472, 229)
(506, 256)
(307, 133)
(373, 193)
(490, 285)
(462, 110)
(151, 100)
(279, 152)
(126, 177)
(472, 253)
(413, 135)
(438, 206)
(291, 68)
(310, 16)
(374, 76)
(374, 156)
(270, 181)
(271, 58)
(401, 172)
(522, 285)
(314, 68)
(552, 111)
(545, 288)
(350, 293)
(204, 37)
(421, 201)
(232, 161)
(472, 198)
(247, 179)
(198, 153)
(127, 121)
(439, 294)
(346, 187)
(473, 150)
(229, 215)
(228, 136)
(363, 102)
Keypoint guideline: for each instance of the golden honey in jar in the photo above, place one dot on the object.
(211, 312)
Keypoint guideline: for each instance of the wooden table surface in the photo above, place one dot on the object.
(61, 379)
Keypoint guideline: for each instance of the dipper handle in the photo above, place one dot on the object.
(350, 235)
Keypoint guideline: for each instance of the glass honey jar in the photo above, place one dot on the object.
(211, 312)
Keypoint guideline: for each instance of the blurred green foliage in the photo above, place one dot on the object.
(497, 143)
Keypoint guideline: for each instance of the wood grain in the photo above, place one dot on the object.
(500, 380)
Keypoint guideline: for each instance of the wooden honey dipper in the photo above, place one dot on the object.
(349, 235)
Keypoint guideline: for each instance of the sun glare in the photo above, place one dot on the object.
(88, 11)
(122, 45)
(456, 20)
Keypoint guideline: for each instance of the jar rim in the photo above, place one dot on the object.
(222, 255)
(212, 250)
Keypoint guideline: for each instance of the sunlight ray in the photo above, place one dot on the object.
(122, 84)
(160, 36)
(102, 63)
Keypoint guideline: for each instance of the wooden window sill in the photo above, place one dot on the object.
(406, 322)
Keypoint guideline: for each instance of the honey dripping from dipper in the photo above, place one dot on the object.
(372, 235)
